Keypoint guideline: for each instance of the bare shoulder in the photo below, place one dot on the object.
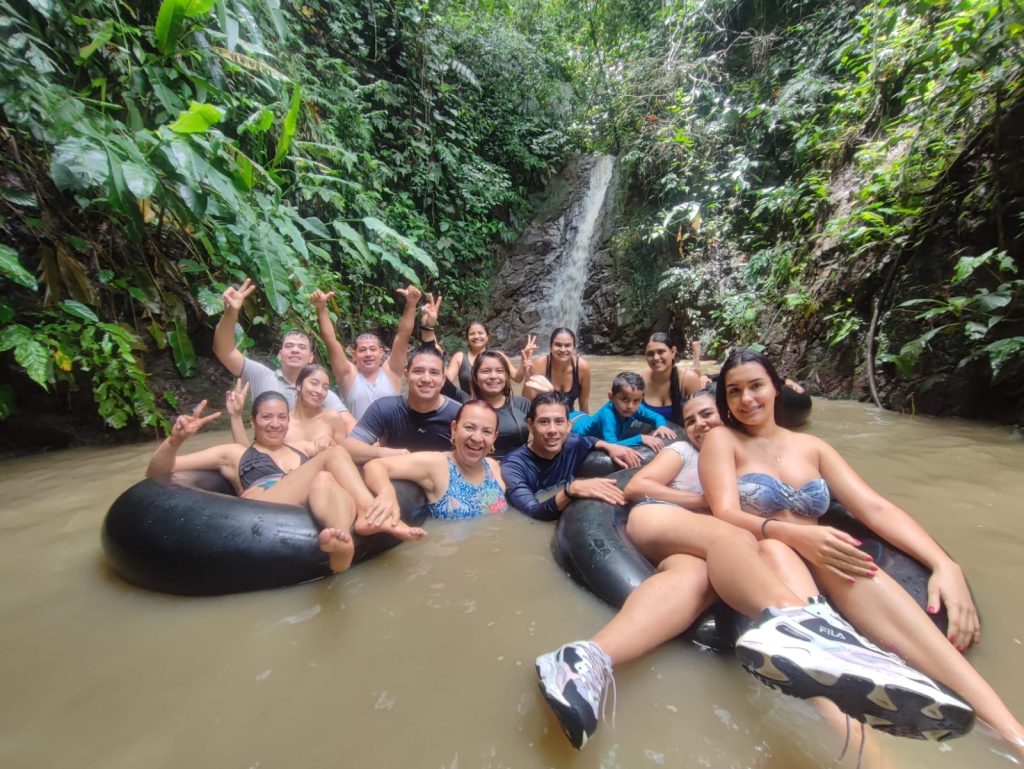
(584, 364)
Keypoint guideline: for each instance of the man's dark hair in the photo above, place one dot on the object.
(547, 399)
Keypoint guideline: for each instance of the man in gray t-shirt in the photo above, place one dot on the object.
(296, 352)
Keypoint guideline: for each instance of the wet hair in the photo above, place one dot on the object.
(674, 390)
(547, 399)
(562, 330)
(308, 371)
(628, 379)
(489, 354)
(475, 323)
(425, 349)
(478, 403)
(266, 397)
(737, 357)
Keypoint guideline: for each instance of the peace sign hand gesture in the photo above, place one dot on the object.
(235, 399)
(234, 298)
(187, 425)
(430, 311)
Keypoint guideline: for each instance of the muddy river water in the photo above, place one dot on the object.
(424, 656)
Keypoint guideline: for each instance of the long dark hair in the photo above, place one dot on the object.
(308, 371)
(507, 392)
(561, 330)
(737, 357)
(674, 390)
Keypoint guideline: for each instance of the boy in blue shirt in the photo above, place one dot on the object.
(625, 405)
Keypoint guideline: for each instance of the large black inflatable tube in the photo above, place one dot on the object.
(597, 464)
(189, 535)
(591, 544)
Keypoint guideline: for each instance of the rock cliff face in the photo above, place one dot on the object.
(533, 269)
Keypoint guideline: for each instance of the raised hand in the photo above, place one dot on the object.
(411, 293)
(527, 353)
(187, 425)
(430, 311)
(320, 299)
(540, 384)
(234, 400)
(234, 298)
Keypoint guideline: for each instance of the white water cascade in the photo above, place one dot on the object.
(564, 304)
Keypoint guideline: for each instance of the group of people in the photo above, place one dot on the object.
(729, 513)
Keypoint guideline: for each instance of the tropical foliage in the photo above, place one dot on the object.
(155, 153)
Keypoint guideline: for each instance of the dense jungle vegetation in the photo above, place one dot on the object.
(838, 180)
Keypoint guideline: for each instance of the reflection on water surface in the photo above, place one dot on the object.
(424, 656)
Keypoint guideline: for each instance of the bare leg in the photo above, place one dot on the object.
(887, 614)
(736, 569)
(661, 608)
(334, 510)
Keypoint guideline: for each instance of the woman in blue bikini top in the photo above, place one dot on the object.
(776, 483)
(462, 483)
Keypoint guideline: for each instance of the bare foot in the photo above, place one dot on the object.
(338, 546)
(399, 529)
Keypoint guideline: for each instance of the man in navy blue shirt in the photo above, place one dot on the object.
(419, 421)
(551, 459)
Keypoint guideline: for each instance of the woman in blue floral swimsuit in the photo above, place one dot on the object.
(462, 483)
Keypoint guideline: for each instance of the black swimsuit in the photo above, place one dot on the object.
(570, 395)
(255, 467)
(466, 374)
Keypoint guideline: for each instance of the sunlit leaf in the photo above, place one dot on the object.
(197, 119)
(10, 268)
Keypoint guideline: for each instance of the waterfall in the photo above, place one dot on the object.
(563, 306)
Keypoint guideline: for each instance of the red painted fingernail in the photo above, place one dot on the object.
(857, 542)
(932, 609)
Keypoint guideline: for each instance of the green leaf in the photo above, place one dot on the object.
(269, 253)
(410, 248)
(102, 37)
(288, 128)
(33, 357)
(10, 268)
(356, 240)
(199, 118)
(168, 26)
(22, 198)
(79, 310)
(181, 350)
(140, 179)
(158, 335)
(171, 19)
(259, 121)
(1003, 352)
(44, 7)
(78, 165)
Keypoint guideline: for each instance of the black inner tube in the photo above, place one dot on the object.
(190, 535)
